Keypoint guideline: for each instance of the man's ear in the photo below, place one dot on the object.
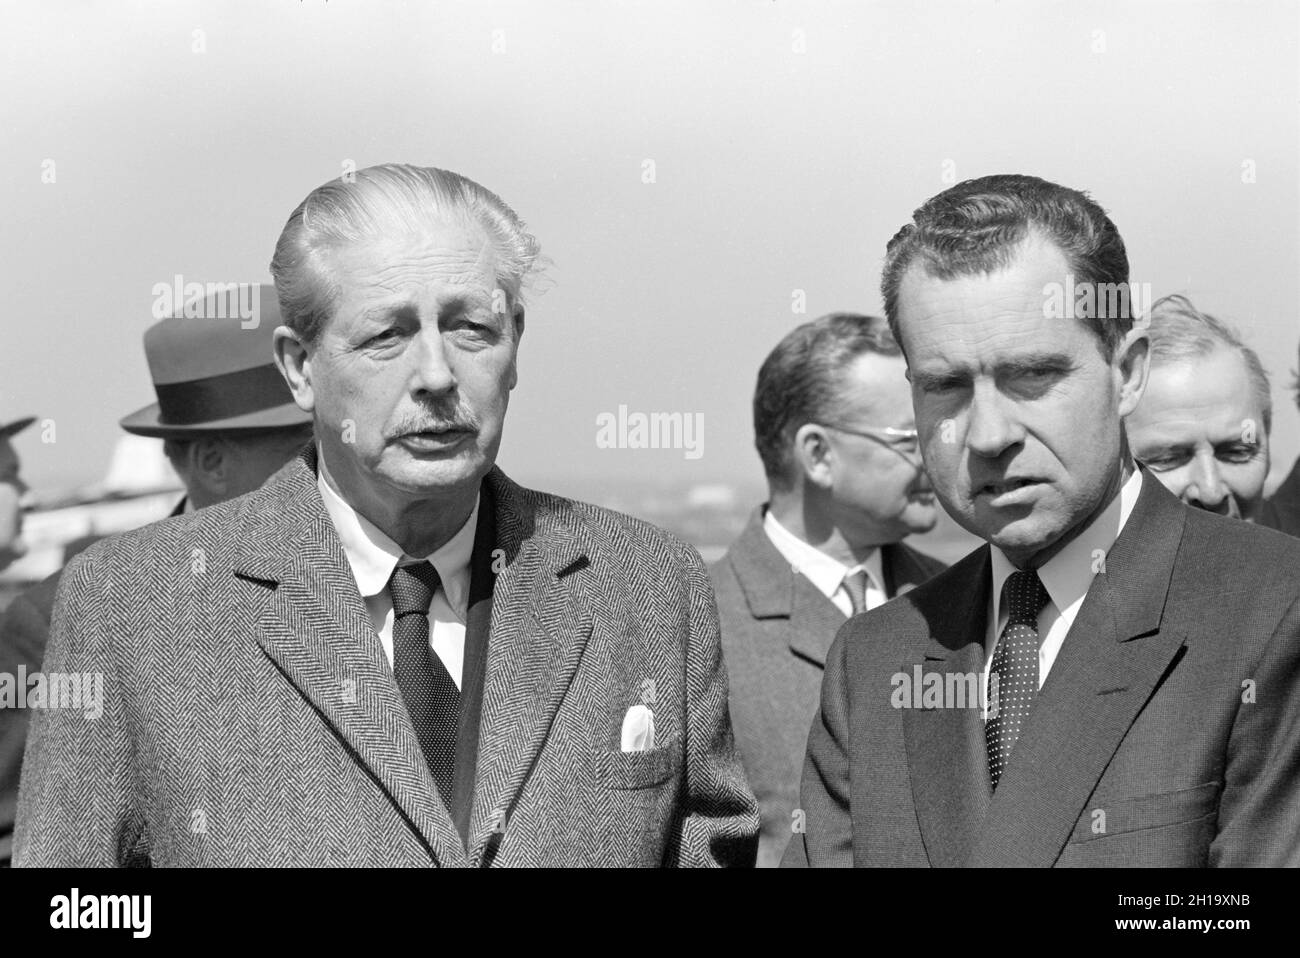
(813, 454)
(209, 468)
(518, 318)
(1132, 364)
(293, 359)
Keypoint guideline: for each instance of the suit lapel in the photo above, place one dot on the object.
(315, 628)
(945, 746)
(773, 590)
(814, 621)
(1110, 663)
(541, 621)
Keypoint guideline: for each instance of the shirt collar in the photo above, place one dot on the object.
(373, 555)
(824, 572)
(1068, 574)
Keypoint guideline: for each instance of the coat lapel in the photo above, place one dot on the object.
(315, 628)
(1110, 663)
(814, 621)
(541, 621)
(773, 590)
(945, 746)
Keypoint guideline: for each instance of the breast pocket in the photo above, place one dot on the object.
(1118, 816)
(634, 770)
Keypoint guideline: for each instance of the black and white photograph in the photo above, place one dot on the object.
(740, 434)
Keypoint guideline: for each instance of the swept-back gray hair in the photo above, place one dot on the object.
(1179, 331)
(387, 200)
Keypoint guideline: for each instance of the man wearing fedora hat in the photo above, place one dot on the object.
(227, 418)
(228, 422)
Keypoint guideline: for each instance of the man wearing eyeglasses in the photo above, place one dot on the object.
(834, 427)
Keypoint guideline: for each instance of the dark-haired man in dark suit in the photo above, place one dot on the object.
(1111, 679)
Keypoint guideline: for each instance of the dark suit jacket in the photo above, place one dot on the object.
(776, 629)
(24, 632)
(24, 628)
(1281, 511)
(1167, 732)
(251, 717)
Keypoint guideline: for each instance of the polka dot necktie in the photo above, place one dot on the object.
(1015, 668)
(431, 695)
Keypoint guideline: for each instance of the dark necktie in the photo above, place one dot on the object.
(856, 586)
(1015, 666)
(431, 695)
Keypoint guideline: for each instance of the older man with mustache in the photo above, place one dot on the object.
(391, 654)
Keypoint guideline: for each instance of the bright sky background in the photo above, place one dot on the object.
(775, 171)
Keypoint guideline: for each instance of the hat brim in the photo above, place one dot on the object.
(145, 422)
(15, 427)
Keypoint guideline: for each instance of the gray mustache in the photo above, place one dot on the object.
(463, 420)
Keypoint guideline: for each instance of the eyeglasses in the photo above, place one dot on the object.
(904, 442)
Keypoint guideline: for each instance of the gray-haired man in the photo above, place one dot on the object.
(391, 654)
(1203, 424)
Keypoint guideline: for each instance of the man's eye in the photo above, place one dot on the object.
(1238, 454)
(388, 335)
(940, 385)
(1161, 463)
(474, 331)
(1040, 374)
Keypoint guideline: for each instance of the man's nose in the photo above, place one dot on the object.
(990, 431)
(432, 373)
(1207, 490)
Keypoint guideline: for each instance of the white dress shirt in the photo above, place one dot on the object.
(826, 574)
(1066, 577)
(373, 556)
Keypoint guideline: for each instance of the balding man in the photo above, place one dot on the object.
(1203, 424)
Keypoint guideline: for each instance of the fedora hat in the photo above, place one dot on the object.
(212, 369)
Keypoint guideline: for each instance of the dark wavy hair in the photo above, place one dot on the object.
(977, 227)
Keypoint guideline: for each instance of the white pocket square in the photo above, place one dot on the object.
(638, 729)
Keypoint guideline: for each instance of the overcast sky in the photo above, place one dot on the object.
(789, 141)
